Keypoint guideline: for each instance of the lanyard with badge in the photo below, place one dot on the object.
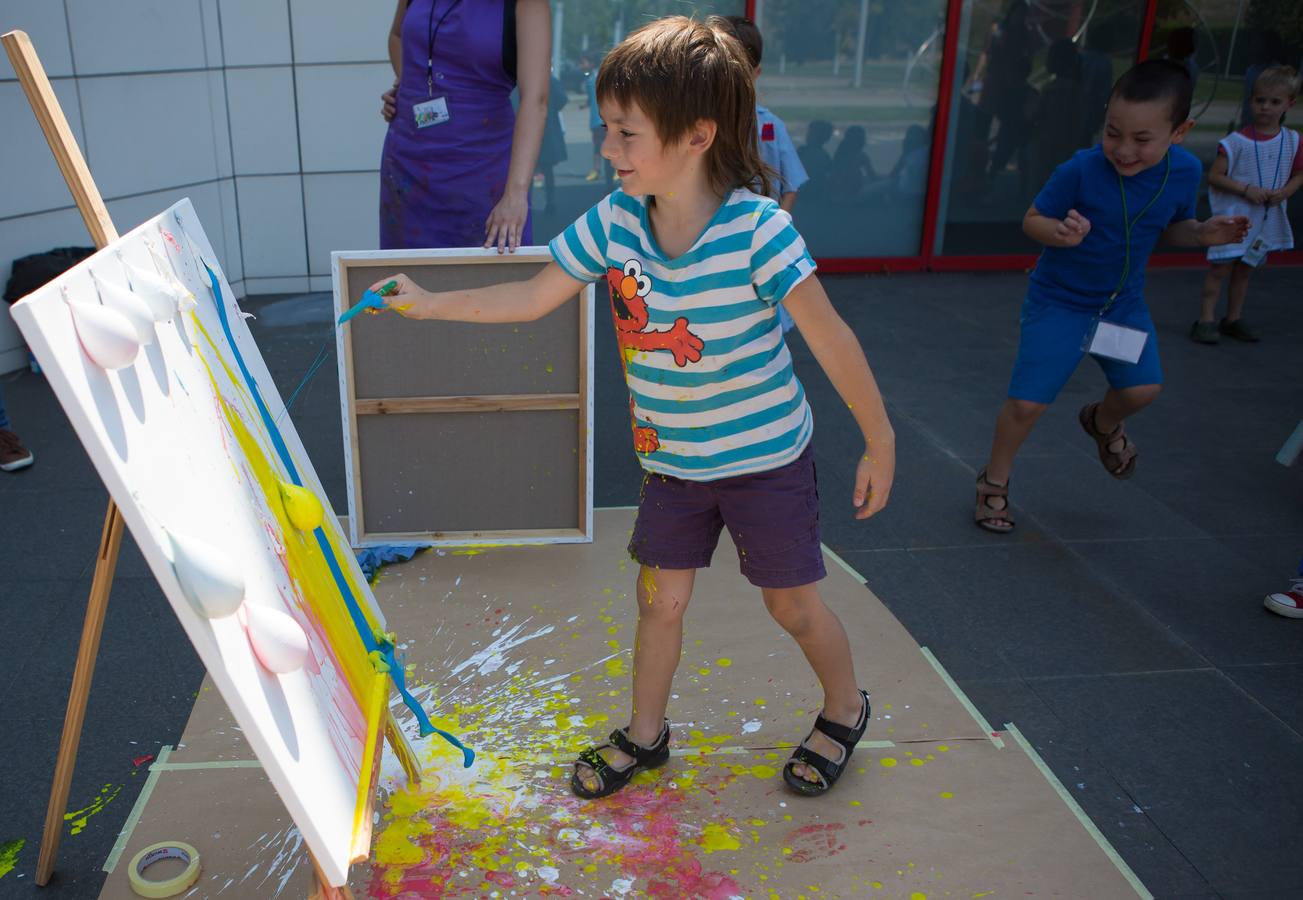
(1118, 341)
(433, 111)
(1256, 252)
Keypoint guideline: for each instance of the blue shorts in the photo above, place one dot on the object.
(1049, 348)
(772, 516)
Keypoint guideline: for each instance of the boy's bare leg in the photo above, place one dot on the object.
(1119, 404)
(663, 596)
(1012, 426)
(818, 631)
(1212, 290)
(1238, 292)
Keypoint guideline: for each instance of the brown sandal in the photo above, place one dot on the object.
(1121, 464)
(999, 521)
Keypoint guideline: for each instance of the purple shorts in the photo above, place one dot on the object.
(772, 516)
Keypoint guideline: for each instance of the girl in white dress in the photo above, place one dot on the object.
(1257, 170)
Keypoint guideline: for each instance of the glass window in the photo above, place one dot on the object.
(855, 83)
(1031, 84)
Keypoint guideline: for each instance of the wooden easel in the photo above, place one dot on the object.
(40, 95)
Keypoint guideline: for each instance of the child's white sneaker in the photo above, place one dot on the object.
(1289, 603)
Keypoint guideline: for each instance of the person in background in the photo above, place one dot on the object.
(1256, 171)
(852, 171)
(458, 161)
(814, 152)
(13, 455)
(596, 130)
(553, 150)
(1099, 218)
(776, 148)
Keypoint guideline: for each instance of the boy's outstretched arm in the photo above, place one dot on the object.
(1208, 233)
(1066, 232)
(839, 353)
(508, 301)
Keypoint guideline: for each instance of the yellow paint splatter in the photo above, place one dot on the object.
(716, 837)
(946, 795)
(943, 749)
(548, 367)
(80, 817)
(760, 701)
(724, 662)
(918, 762)
(762, 771)
(703, 671)
(918, 895)
(887, 762)
(9, 855)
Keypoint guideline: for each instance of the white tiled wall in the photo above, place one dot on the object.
(339, 116)
(135, 36)
(342, 213)
(264, 133)
(264, 112)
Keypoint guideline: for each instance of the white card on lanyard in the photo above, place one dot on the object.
(1116, 342)
(431, 112)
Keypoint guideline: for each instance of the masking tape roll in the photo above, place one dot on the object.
(145, 887)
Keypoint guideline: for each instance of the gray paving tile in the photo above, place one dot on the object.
(1276, 687)
(1202, 764)
(1210, 599)
(1072, 757)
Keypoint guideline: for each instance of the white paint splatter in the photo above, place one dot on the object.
(751, 726)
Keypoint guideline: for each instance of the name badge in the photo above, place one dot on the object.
(1115, 342)
(431, 112)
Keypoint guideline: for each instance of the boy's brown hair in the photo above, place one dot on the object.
(1278, 77)
(680, 71)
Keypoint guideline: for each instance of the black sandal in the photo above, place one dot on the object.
(611, 778)
(827, 770)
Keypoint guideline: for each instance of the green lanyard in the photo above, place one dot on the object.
(1128, 223)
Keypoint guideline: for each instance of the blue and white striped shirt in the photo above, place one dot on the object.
(712, 390)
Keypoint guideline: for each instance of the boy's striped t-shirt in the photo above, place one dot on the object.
(712, 390)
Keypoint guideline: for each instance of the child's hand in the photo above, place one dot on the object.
(1072, 230)
(873, 477)
(1257, 195)
(1224, 230)
(1277, 197)
(399, 291)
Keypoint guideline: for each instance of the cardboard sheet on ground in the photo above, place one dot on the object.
(168, 392)
(518, 639)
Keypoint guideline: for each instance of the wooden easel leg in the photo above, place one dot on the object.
(321, 890)
(105, 565)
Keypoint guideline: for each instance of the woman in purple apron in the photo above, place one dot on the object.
(458, 162)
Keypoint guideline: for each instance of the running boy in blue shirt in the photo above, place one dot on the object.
(695, 265)
(1099, 217)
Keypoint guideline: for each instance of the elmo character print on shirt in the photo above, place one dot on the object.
(629, 288)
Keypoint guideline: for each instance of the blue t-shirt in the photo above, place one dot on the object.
(779, 153)
(710, 378)
(1087, 274)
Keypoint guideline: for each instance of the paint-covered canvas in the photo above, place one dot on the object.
(148, 353)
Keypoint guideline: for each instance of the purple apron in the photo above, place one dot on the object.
(438, 184)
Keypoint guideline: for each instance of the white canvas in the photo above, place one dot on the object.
(164, 434)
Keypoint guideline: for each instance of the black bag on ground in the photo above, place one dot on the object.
(35, 271)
